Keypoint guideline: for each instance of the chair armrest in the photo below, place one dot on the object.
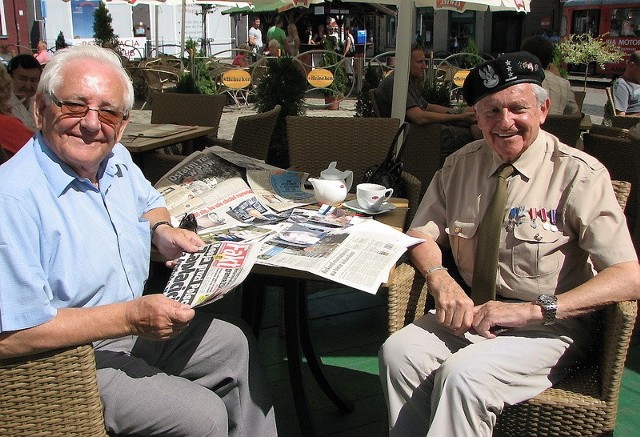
(408, 293)
(619, 320)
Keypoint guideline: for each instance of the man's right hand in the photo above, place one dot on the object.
(454, 308)
(157, 317)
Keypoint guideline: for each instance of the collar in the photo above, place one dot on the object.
(527, 164)
(61, 176)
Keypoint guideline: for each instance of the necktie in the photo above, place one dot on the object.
(483, 285)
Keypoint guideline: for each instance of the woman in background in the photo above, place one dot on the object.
(13, 133)
(292, 43)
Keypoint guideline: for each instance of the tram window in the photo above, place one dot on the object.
(586, 21)
(626, 21)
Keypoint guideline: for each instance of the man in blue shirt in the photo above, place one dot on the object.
(75, 240)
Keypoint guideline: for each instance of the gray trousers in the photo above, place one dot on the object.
(208, 381)
(439, 384)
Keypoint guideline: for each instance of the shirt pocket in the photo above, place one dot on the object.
(533, 252)
(461, 235)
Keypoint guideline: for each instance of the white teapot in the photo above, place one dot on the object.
(333, 185)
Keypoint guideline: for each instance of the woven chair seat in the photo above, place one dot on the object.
(51, 394)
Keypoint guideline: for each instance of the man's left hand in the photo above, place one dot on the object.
(171, 242)
(490, 316)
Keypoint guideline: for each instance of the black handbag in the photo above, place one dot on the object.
(389, 173)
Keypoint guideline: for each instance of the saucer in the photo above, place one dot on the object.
(355, 206)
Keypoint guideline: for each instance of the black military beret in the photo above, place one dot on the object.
(497, 74)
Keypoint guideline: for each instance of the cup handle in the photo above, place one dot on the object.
(388, 193)
(348, 179)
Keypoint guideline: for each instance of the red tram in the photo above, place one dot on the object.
(616, 21)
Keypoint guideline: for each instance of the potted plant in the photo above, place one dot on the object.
(283, 84)
(585, 50)
(338, 89)
(372, 78)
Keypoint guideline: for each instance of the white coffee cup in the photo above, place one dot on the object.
(372, 196)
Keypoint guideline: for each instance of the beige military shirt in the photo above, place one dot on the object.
(533, 260)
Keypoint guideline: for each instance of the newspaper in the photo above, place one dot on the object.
(206, 276)
(360, 256)
(279, 189)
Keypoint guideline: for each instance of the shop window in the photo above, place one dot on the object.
(3, 20)
(586, 21)
(462, 26)
(625, 22)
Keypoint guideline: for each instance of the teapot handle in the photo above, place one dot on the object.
(348, 180)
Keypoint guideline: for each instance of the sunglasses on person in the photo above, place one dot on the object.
(79, 109)
(189, 223)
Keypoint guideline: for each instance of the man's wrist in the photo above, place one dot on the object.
(157, 224)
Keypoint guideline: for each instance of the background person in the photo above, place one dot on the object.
(13, 133)
(561, 96)
(255, 38)
(276, 32)
(42, 54)
(452, 371)
(25, 71)
(626, 89)
(163, 369)
(459, 128)
(292, 42)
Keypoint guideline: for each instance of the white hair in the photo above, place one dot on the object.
(52, 74)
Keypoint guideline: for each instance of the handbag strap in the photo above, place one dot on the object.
(394, 152)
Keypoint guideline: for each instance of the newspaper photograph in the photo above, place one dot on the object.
(207, 275)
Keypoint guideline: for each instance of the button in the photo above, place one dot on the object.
(457, 229)
(537, 237)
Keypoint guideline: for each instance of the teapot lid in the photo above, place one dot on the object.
(332, 173)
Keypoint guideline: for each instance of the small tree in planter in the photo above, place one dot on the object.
(102, 30)
(585, 50)
(372, 78)
(331, 61)
(284, 84)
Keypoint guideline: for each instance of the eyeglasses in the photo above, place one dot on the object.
(189, 222)
(79, 109)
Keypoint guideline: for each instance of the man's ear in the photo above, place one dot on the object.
(544, 110)
(38, 109)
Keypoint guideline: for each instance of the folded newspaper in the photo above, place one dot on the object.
(203, 277)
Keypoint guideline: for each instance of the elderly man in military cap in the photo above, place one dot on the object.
(529, 221)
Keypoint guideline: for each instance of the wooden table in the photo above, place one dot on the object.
(296, 322)
(136, 143)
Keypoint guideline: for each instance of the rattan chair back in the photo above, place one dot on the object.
(565, 127)
(188, 109)
(609, 131)
(54, 393)
(355, 143)
(624, 121)
(422, 155)
(252, 135)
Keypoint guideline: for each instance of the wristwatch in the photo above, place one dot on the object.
(549, 305)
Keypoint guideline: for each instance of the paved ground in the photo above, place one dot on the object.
(593, 105)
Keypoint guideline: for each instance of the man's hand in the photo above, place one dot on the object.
(171, 242)
(454, 308)
(157, 317)
(490, 316)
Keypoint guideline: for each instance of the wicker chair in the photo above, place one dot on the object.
(355, 143)
(585, 403)
(252, 135)
(189, 109)
(374, 102)
(624, 121)
(609, 131)
(565, 127)
(422, 155)
(53, 393)
(622, 159)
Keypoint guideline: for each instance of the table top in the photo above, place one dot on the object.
(135, 141)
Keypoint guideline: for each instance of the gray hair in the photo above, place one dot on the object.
(52, 77)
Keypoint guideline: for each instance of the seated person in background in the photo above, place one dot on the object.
(451, 372)
(86, 208)
(561, 96)
(242, 59)
(626, 88)
(419, 111)
(13, 133)
(42, 55)
(273, 48)
(25, 71)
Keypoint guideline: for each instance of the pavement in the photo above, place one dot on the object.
(593, 105)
